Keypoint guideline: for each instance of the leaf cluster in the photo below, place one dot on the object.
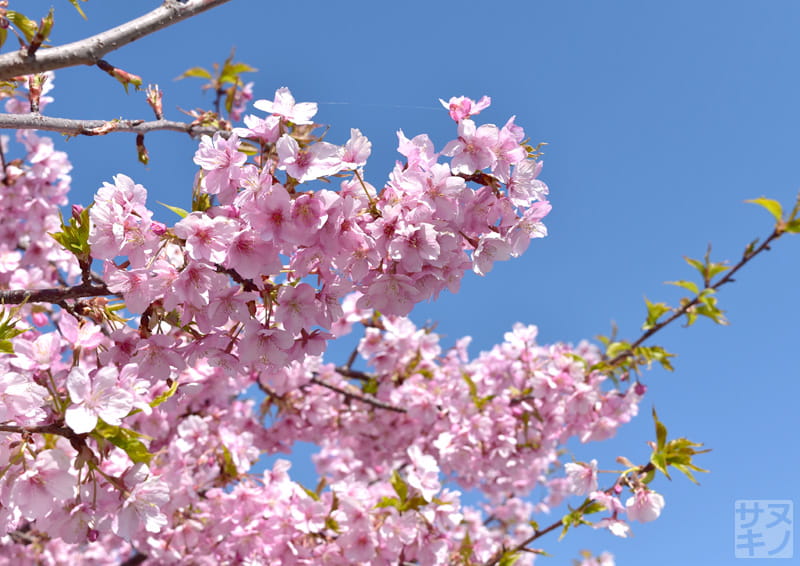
(224, 80)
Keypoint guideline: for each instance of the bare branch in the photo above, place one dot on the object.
(353, 393)
(40, 429)
(90, 50)
(54, 295)
(98, 127)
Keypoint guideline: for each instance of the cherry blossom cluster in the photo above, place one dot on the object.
(120, 439)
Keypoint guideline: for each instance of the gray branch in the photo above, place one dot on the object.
(90, 50)
(34, 121)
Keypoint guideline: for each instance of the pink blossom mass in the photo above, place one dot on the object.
(125, 426)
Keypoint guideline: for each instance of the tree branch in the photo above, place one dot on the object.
(357, 395)
(72, 127)
(538, 533)
(747, 256)
(53, 295)
(90, 50)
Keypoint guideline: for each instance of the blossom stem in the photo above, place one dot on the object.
(368, 399)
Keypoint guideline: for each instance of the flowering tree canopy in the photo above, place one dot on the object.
(129, 345)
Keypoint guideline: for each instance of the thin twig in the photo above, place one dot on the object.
(538, 533)
(728, 278)
(90, 50)
(353, 373)
(351, 394)
(41, 429)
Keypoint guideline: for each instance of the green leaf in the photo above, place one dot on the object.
(654, 312)
(714, 269)
(23, 24)
(371, 386)
(793, 226)
(465, 549)
(74, 235)
(652, 354)
(308, 492)
(707, 306)
(400, 486)
(198, 72)
(231, 71)
(751, 248)
(593, 507)
(509, 558)
(179, 211)
(696, 264)
(229, 470)
(616, 348)
(166, 395)
(660, 462)
(771, 206)
(661, 431)
(389, 502)
(124, 438)
(572, 519)
(688, 285)
(9, 330)
(77, 7)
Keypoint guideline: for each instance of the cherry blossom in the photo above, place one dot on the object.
(645, 506)
(146, 388)
(95, 396)
(461, 107)
(284, 106)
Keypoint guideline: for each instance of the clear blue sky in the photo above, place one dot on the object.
(661, 119)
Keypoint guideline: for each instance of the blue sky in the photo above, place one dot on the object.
(661, 119)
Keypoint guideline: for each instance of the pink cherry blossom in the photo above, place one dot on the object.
(21, 399)
(582, 477)
(95, 396)
(645, 505)
(222, 161)
(616, 527)
(474, 149)
(461, 107)
(356, 150)
(308, 163)
(143, 505)
(47, 481)
(424, 473)
(285, 106)
(206, 238)
(491, 247)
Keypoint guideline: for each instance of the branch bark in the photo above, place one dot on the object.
(90, 50)
(54, 295)
(357, 395)
(72, 127)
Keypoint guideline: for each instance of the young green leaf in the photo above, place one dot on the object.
(23, 24)
(77, 7)
(198, 72)
(124, 438)
(771, 206)
(688, 285)
(179, 211)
